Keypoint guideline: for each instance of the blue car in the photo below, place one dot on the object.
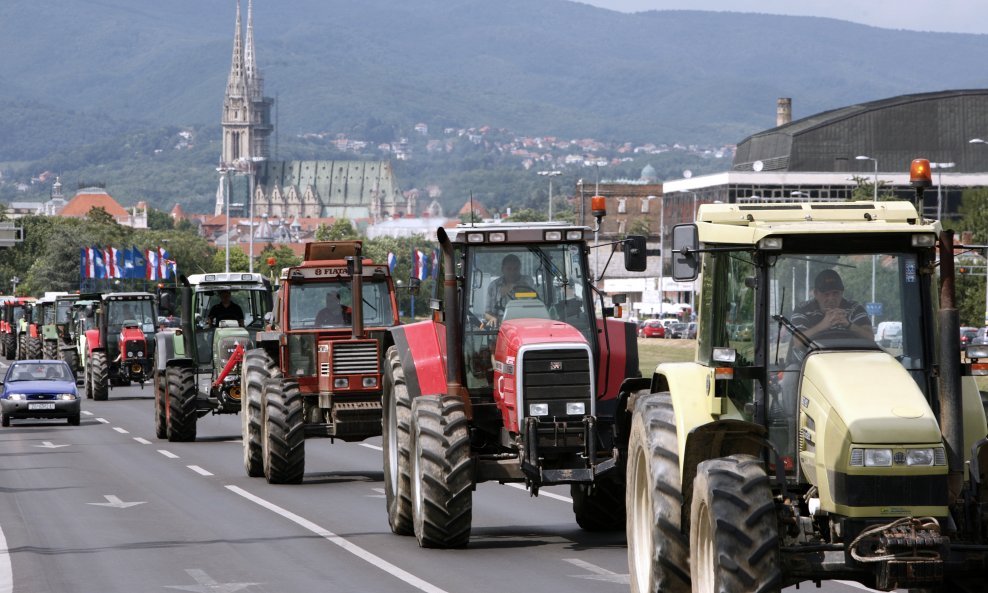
(39, 389)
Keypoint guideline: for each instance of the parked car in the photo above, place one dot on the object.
(691, 331)
(967, 334)
(980, 337)
(39, 389)
(652, 329)
(676, 330)
(888, 334)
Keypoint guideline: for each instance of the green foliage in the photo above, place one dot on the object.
(159, 221)
(239, 262)
(865, 190)
(342, 230)
(528, 215)
(282, 256)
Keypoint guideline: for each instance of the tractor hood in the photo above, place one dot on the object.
(525, 332)
(871, 394)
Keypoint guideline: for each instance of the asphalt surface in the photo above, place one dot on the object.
(105, 507)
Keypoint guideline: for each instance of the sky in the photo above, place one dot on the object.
(948, 16)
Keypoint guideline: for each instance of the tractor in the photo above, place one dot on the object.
(516, 378)
(803, 450)
(55, 329)
(119, 349)
(316, 370)
(11, 313)
(29, 346)
(197, 366)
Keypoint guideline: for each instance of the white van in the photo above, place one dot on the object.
(888, 334)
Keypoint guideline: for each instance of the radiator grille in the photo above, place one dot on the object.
(556, 375)
(355, 358)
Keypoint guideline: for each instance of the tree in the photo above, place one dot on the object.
(239, 261)
(528, 215)
(159, 221)
(342, 230)
(282, 257)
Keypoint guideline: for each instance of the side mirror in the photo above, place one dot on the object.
(413, 286)
(685, 243)
(634, 253)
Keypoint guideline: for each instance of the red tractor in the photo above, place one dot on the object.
(515, 379)
(120, 347)
(11, 312)
(316, 371)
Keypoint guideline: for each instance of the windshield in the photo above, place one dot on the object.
(64, 312)
(49, 314)
(521, 282)
(247, 305)
(325, 305)
(137, 312)
(53, 371)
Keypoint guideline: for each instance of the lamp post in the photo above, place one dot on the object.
(980, 141)
(940, 167)
(868, 158)
(252, 167)
(550, 175)
(225, 188)
(15, 281)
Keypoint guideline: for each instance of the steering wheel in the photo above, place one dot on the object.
(836, 334)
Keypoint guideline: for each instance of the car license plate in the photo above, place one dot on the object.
(44, 406)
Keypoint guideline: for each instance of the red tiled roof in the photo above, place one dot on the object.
(82, 203)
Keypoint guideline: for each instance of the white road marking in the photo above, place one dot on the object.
(121, 430)
(6, 570)
(115, 502)
(343, 543)
(142, 441)
(380, 493)
(168, 454)
(49, 445)
(542, 493)
(370, 446)
(87, 413)
(598, 573)
(102, 420)
(199, 470)
(856, 585)
(207, 584)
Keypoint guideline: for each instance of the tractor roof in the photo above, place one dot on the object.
(518, 232)
(234, 280)
(127, 296)
(749, 223)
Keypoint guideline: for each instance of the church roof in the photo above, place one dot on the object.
(89, 198)
(343, 188)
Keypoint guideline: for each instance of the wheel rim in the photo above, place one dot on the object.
(704, 569)
(417, 480)
(392, 444)
(640, 543)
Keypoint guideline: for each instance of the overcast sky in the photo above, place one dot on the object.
(952, 16)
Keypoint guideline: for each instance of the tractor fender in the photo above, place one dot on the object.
(618, 357)
(422, 350)
(92, 340)
(165, 350)
(270, 340)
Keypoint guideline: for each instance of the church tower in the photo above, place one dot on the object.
(246, 122)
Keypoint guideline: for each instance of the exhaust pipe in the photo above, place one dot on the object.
(454, 337)
(357, 292)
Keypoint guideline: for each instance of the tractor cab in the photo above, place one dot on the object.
(120, 347)
(226, 309)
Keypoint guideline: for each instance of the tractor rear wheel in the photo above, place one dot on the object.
(71, 358)
(34, 349)
(284, 432)
(600, 506)
(442, 477)
(49, 350)
(734, 538)
(658, 552)
(160, 414)
(9, 346)
(99, 380)
(20, 347)
(396, 427)
(258, 368)
(181, 411)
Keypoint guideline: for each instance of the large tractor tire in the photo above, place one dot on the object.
(33, 348)
(600, 506)
(49, 350)
(20, 347)
(284, 432)
(99, 380)
(9, 346)
(71, 357)
(658, 552)
(734, 537)
(258, 368)
(160, 412)
(396, 423)
(442, 476)
(181, 410)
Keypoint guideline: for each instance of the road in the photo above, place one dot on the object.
(106, 507)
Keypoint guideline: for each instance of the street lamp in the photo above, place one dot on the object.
(225, 188)
(252, 167)
(15, 281)
(550, 175)
(868, 158)
(941, 167)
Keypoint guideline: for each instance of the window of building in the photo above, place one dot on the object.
(622, 206)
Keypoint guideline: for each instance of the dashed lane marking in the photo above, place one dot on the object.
(142, 441)
(168, 454)
(87, 413)
(121, 430)
(370, 446)
(543, 493)
(343, 543)
(199, 470)
(102, 420)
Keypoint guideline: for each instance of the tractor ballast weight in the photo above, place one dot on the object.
(518, 374)
(197, 366)
(120, 348)
(795, 448)
(316, 370)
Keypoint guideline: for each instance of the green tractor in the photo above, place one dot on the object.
(56, 330)
(197, 366)
(804, 450)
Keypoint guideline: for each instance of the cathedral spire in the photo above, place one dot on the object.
(235, 83)
(250, 65)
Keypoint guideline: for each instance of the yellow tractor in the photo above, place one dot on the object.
(794, 447)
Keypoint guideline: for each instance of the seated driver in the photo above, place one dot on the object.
(502, 289)
(829, 310)
(225, 310)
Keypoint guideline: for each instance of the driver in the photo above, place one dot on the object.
(829, 310)
(334, 313)
(501, 290)
(224, 310)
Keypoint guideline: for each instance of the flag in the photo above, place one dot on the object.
(140, 265)
(99, 265)
(111, 255)
(392, 261)
(152, 264)
(435, 264)
(166, 265)
(90, 263)
(421, 265)
(83, 268)
(127, 268)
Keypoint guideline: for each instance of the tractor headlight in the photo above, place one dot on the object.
(878, 457)
(369, 382)
(576, 408)
(341, 383)
(538, 409)
(919, 457)
(139, 354)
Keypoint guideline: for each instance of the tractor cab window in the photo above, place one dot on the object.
(63, 312)
(49, 314)
(252, 304)
(328, 305)
(137, 312)
(510, 282)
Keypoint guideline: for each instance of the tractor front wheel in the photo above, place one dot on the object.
(99, 380)
(396, 428)
(258, 368)
(658, 552)
(71, 358)
(181, 411)
(599, 506)
(734, 538)
(442, 476)
(9, 346)
(284, 432)
(160, 413)
(49, 350)
(34, 349)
